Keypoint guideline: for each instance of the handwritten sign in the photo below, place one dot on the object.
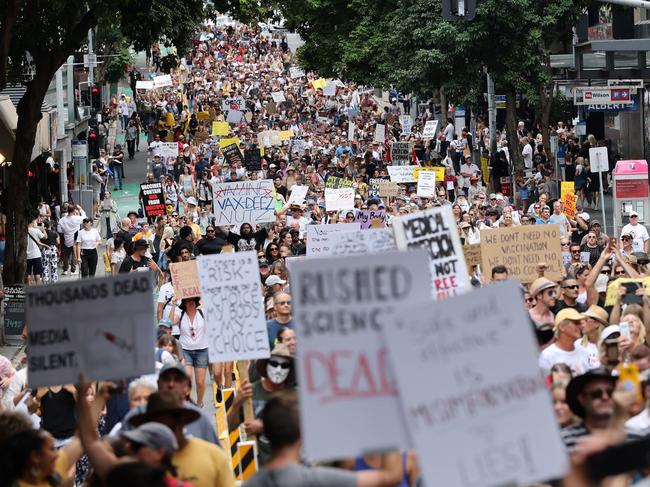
(339, 199)
(368, 218)
(472, 255)
(185, 279)
(144, 85)
(566, 187)
(435, 231)
(426, 184)
(233, 306)
(388, 189)
(234, 103)
(278, 96)
(220, 128)
(153, 199)
(232, 154)
(380, 133)
(520, 249)
(489, 423)
(14, 309)
(400, 153)
(335, 182)
(373, 186)
(286, 135)
(318, 237)
(359, 242)
(162, 81)
(73, 328)
(570, 202)
(351, 130)
(167, 149)
(406, 124)
(243, 202)
(296, 72)
(298, 194)
(430, 130)
(252, 159)
(226, 142)
(234, 116)
(438, 170)
(347, 387)
(402, 174)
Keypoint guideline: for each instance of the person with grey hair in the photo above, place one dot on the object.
(139, 391)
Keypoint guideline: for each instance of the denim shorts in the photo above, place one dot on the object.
(196, 358)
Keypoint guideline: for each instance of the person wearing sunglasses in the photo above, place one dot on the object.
(568, 329)
(276, 374)
(589, 397)
(627, 247)
(569, 289)
(544, 291)
(639, 233)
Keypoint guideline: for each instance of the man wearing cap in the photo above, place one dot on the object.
(275, 284)
(568, 329)
(197, 461)
(589, 397)
(594, 226)
(544, 292)
(640, 237)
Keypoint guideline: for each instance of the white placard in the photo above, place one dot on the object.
(74, 327)
(430, 130)
(351, 130)
(359, 242)
(278, 96)
(339, 199)
(318, 237)
(402, 174)
(233, 306)
(330, 88)
(406, 124)
(167, 149)
(144, 85)
(296, 72)
(244, 202)
(234, 103)
(598, 159)
(347, 388)
(380, 133)
(234, 116)
(426, 184)
(162, 81)
(435, 231)
(298, 194)
(476, 419)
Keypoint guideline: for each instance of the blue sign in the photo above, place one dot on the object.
(615, 107)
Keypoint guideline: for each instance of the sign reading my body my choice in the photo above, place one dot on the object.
(347, 389)
(96, 326)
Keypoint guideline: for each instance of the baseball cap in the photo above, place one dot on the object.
(153, 435)
(568, 314)
(263, 263)
(633, 213)
(609, 331)
(272, 280)
(173, 366)
(141, 243)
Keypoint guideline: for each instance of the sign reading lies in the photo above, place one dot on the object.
(521, 249)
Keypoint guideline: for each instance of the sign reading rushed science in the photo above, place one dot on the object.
(347, 390)
(96, 326)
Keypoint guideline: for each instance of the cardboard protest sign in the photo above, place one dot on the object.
(430, 130)
(286, 135)
(335, 182)
(14, 302)
(226, 142)
(252, 159)
(368, 218)
(426, 184)
(185, 279)
(339, 199)
(244, 202)
(318, 237)
(234, 116)
(232, 154)
(330, 89)
(153, 199)
(380, 133)
(472, 255)
(388, 189)
(220, 128)
(406, 124)
(360, 242)
(438, 170)
(402, 174)
(274, 137)
(204, 115)
(521, 248)
(201, 136)
(162, 81)
(278, 96)
(488, 422)
(347, 387)
(233, 306)
(298, 194)
(234, 103)
(435, 231)
(167, 149)
(400, 153)
(298, 144)
(319, 83)
(144, 85)
(296, 72)
(74, 327)
(566, 187)
(570, 201)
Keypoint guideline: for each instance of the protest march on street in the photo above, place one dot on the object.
(318, 287)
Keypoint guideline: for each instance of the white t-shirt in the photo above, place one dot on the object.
(68, 225)
(577, 359)
(89, 238)
(639, 235)
(592, 351)
(194, 335)
(527, 152)
(167, 291)
(639, 424)
(33, 249)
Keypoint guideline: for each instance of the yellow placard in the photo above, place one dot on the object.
(220, 128)
(286, 134)
(203, 115)
(612, 288)
(566, 187)
(485, 170)
(570, 201)
(439, 170)
(226, 142)
(319, 83)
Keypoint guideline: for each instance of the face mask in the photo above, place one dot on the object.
(275, 373)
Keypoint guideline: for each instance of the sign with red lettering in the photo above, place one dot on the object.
(233, 306)
(153, 199)
(347, 390)
(185, 279)
(435, 231)
(476, 418)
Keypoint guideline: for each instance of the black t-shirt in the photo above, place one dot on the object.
(560, 305)
(207, 246)
(129, 263)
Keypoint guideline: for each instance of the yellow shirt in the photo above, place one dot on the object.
(61, 467)
(203, 464)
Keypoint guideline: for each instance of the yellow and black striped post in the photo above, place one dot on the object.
(222, 409)
(247, 451)
(234, 438)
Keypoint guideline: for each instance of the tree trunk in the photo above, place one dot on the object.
(546, 96)
(18, 204)
(516, 159)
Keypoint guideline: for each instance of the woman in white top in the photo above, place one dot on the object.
(194, 342)
(88, 239)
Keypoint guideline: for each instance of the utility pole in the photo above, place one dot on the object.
(91, 64)
(492, 115)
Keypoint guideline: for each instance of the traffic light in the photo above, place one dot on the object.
(95, 98)
(93, 143)
(458, 10)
